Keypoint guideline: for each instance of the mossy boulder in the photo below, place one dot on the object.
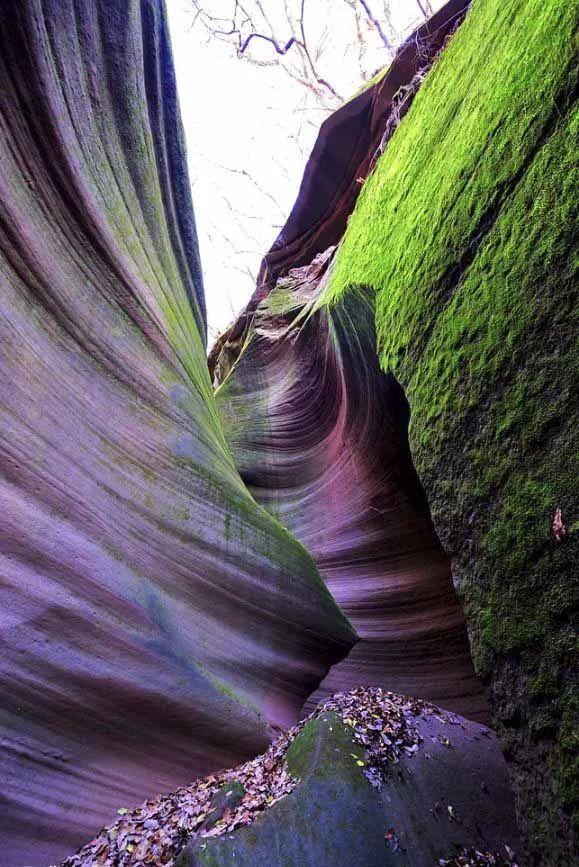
(451, 793)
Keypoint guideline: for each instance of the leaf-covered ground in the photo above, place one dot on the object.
(474, 858)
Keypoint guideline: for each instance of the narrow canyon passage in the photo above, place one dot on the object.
(320, 436)
(194, 551)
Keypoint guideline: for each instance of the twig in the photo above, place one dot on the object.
(374, 21)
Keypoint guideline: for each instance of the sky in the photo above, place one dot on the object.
(249, 128)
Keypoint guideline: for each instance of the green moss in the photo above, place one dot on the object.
(227, 526)
(486, 353)
(464, 232)
(472, 125)
(567, 779)
(378, 76)
(322, 745)
(544, 684)
(281, 300)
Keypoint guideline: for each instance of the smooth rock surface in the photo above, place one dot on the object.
(465, 233)
(155, 621)
(319, 434)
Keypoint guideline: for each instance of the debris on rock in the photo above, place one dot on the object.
(155, 833)
(474, 858)
(558, 527)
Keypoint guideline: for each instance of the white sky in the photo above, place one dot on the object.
(249, 130)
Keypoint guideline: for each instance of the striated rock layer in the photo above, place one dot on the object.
(155, 621)
(466, 231)
(319, 435)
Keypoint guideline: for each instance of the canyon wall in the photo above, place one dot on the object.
(394, 419)
(156, 623)
(465, 232)
(319, 434)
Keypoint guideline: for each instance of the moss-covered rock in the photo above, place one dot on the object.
(369, 778)
(465, 231)
(448, 792)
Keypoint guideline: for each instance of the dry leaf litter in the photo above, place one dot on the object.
(474, 858)
(154, 834)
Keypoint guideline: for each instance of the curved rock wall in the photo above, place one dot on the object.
(155, 621)
(319, 435)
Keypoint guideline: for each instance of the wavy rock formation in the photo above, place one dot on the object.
(155, 621)
(319, 435)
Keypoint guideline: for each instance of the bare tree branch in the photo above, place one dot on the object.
(425, 7)
(244, 173)
(280, 49)
(377, 25)
(233, 30)
(304, 45)
(340, 45)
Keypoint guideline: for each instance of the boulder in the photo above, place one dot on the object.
(446, 794)
(369, 778)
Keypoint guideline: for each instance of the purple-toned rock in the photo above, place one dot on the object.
(447, 793)
(319, 434)
(156, 623)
